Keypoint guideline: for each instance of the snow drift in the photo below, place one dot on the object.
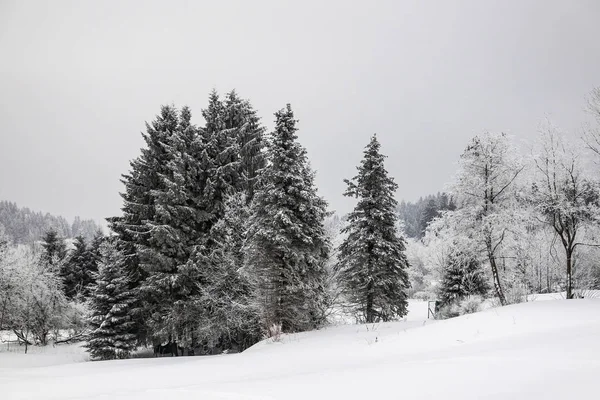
(536, 350)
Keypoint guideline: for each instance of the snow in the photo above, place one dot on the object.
(541, 349)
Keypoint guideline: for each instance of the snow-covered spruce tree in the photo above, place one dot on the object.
(219, 161)
(179, 224)
(136, 239)
(78, 269)
(111, 301)
(54, 249)
(463, 277)
(287, 244)
(243, 123)
(371, 262)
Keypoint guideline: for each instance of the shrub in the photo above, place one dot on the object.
(448, 311)
(274, 332)
(470, 305)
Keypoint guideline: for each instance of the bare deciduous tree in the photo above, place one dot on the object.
(565, 199)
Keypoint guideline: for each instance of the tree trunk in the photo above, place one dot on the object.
(497, 284)
(370, 314)
(495, 274)
(569, 274)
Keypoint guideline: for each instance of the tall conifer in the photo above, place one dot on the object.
(372, 264)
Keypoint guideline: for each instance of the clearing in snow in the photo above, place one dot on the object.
(538, 350)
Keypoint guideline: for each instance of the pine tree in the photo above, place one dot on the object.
(219, 161)
(463, 277)
(244, 125)
(3, 240)
(111, 301)
(138, 238)
(80, 266)
(182, 221)
(54, 249)
(74, 270)
(287, 245)
(428, 214)
(372, 265)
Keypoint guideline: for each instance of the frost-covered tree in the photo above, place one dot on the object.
(372, 261)
(24, 226)
(7, 280)
(31, 296)
(420, 272)
(566, 200)
(227, 317)
(592, 133)
(112, 326)
(486, 193)
(287, 245)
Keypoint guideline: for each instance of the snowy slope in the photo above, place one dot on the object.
(548, 349)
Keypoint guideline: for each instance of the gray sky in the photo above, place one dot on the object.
(79, 78)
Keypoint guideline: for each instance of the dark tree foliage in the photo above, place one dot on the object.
(76, 270)
(415, 217)
(54, 249)
(175, 194)
(463, 277)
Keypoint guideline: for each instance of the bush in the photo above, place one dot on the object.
(516, 294)
(470, 305)
(448, 311)
(274, 332)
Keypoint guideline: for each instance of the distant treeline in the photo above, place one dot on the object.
(416, 216)
(24, 226)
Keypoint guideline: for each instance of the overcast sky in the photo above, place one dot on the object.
(79, 78)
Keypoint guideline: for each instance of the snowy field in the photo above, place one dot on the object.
(534, 350)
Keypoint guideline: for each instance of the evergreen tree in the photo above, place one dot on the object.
(182, 220)
(76, 270)
(219, 160)
(463, 277)
(244, 124)
(94, 248)
(287, 245)
(111, 301)
(3, 240)
(372, 264)
(137, 241)
(80, 266)
(428, 214)
(54, 249)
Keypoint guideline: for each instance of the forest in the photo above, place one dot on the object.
(224, 240)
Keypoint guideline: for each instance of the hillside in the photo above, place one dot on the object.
(536, 350)
(24, 226)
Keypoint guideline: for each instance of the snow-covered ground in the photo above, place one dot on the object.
(535, 350)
